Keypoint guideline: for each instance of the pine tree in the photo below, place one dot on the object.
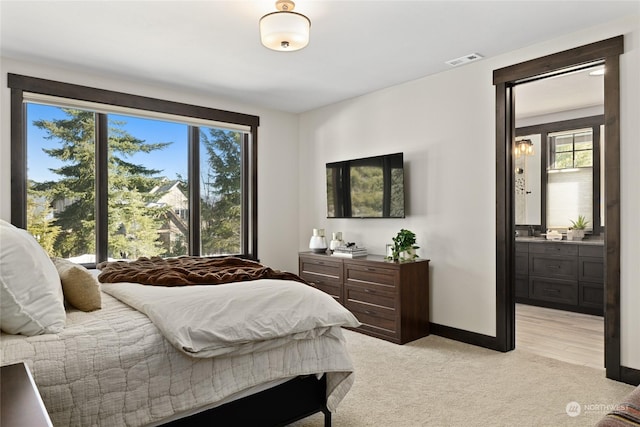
(40, 219)
(221, 199)
(129, 186)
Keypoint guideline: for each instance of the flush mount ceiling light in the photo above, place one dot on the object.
(284, 30)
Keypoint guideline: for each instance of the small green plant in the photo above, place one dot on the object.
(580, 223)
(404, 240)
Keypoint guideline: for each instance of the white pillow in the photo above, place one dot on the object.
(31, 301)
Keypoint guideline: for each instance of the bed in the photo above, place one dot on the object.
(116, 366)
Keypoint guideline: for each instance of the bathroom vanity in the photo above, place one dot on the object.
(566, 275)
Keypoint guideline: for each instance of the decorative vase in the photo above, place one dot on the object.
(336, 240)
(318, 243)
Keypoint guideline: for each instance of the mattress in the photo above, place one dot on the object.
(113, 367)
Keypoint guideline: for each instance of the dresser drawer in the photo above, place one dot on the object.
(370, 295)
(374, 318)
(553, 266)
(554, 248)
(369, 276)
(328, 286)
(554, 290)
(313, 267)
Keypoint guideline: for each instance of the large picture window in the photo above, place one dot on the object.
(100, 175)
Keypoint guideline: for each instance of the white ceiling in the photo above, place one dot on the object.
(213, 46)
(572, 91)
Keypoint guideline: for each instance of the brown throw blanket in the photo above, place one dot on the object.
(184, 271)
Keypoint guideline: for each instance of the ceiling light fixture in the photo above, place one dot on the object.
(284, 30)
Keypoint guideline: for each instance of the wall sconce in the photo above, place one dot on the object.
(524, 147)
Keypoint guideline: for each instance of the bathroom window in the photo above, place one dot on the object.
(568, 150)
(570, 177)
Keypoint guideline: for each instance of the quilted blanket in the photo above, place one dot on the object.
(188, 270)
(113, 367)
(235, 318)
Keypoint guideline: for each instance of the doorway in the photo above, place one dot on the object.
(505, 79)
(558, 155)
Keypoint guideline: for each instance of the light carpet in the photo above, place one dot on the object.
(435, 381)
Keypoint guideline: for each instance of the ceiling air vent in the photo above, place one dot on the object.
(464, 59)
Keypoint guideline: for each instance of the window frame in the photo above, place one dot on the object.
(552, 143)
(21, 85)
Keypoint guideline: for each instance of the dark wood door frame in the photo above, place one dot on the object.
(505, 79)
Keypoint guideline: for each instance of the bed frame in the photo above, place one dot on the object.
(278, 406)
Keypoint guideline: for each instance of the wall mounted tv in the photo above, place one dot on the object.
(371, 187)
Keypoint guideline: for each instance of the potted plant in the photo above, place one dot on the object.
(578, 227)
(404, 248)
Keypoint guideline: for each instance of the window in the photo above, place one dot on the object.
(117, 176)
(568, 150)
(570, 186)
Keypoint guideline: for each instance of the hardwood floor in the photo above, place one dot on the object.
(571, 337)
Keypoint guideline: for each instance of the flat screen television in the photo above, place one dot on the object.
(371, 187)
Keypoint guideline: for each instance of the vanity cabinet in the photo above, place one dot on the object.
(522, 270)
(591, 277)
(390, 299)
(568, 276)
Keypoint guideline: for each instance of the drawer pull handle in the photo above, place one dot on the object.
(370, 313)
(553, 266)
(320, 262)
(370, 269)
(552, 290)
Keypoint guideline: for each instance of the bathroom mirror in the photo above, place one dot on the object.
(528, 194)
(555, 113)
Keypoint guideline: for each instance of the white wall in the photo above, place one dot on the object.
(445, 125)
(277, 151)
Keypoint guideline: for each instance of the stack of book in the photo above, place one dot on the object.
(349, 251)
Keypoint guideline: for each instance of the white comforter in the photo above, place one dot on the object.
(113, 367)
(236, 318)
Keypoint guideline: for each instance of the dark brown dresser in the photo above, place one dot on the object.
(390, 299)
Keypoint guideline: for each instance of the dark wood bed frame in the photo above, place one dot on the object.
(278, 406)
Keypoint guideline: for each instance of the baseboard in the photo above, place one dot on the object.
(630, 375)
(467, 337)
